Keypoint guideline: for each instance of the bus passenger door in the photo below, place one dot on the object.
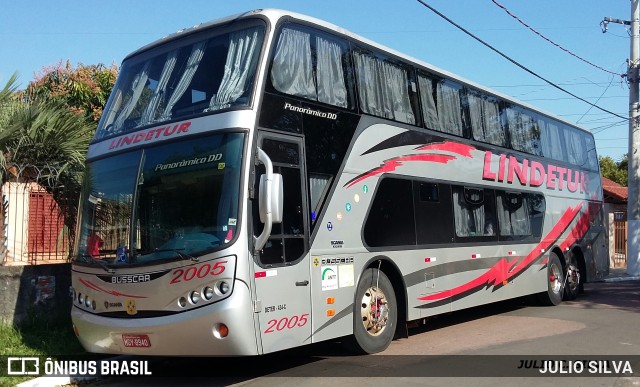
(283, 291)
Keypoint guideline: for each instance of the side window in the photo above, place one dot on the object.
(474, 212)
(434, 220)
(311, 65)
(441, 107)
(383, 87)
(390, 221)
(592, 156)
(520, 215)
(550, 138)
(484, 116)
(576, 147)
(524, 132)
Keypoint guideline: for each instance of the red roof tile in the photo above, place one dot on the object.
(615, 190)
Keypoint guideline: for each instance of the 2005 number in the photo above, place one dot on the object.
(287, 323)
(197, 272)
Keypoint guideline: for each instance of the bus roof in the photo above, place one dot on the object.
(274, 15)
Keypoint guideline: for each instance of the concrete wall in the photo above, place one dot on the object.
(35, 292)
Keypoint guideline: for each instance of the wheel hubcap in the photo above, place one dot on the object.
(555, 278)
(374, 311)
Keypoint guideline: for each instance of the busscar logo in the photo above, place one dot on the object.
(23, 366)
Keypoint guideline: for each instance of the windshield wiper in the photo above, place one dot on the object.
(99, 262)
(177, 251)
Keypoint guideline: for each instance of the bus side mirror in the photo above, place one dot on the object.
(274, 196)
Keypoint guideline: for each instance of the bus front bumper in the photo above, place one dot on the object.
(190, 333)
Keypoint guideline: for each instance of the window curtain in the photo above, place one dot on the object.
(383, 87)
(331, 85)
(449, 109)
(550, 138)
(237, 68)
(292, 71)
(485, 120)
(137, 86)
(469, 220)
(197, 52)
(151, 110)
(576, 150)
(514, 221)
(111, 115)
(525, 133)
(429, 110)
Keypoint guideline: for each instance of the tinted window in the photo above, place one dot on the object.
(434, 218)
(391, 217)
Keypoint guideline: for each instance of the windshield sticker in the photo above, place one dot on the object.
(232, 221)
(221, 166)
(189, 162)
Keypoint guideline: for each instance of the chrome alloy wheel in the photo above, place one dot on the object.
(555, 278)
(374, 311)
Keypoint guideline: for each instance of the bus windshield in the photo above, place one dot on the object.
(200, 73)
(174, 201)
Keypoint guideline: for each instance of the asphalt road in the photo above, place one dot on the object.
(500, 344)
(476, 347)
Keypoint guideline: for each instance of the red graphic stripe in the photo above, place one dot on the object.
(391, 164)
(504, 270)
(450, 146)
(112, 292)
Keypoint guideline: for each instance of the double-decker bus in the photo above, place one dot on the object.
(270, 180)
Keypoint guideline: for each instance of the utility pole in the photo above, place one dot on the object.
(633, 200)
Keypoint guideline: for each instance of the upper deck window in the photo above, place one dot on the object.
(484, 114)
(383, 86)
(311, 66)
(190, 76)
(441, 108)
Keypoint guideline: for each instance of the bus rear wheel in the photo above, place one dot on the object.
(572, 282)
(555, 282)
(375, 313)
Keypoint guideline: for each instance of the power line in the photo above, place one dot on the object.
(552, 42)
(514, 61)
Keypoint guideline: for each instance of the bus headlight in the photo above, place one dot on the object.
(182, 302)
(80, 298)
(208, 293)
(194, 297)
(223, 287)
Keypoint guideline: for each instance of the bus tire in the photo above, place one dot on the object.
(375, 313)
(555, 277)
(572, 280)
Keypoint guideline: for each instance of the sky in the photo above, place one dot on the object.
(39, 34)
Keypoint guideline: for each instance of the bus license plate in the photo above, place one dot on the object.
(136, 341)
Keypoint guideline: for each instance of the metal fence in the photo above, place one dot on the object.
(36, 229)
(620, 243)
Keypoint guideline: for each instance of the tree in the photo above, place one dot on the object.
(84, 90)
(45, 132)
(616, 171)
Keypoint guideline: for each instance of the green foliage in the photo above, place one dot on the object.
(616, 171)
(84, 89)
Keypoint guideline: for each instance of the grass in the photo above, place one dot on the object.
(36, 337)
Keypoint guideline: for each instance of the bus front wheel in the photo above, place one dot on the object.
(375, 313)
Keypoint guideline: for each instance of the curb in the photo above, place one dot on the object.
(51, 381)
(621, 279)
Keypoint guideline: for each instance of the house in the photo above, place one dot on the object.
(615, 210)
